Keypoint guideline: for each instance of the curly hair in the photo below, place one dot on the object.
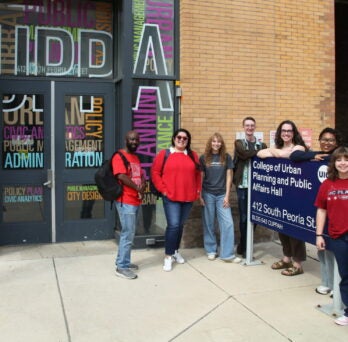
(297, 139)
(340, 152)
(208, 153)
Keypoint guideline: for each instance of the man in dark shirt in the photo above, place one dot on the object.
(244, 150)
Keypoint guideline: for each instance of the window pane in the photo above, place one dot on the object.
(153, 119)
(153, 41)
(23, 203)
(83, 201)
(23, 132)
(47, 38)
(84, 131)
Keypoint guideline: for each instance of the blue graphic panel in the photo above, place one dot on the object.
(283, 194)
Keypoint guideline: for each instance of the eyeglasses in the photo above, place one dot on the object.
(286, 131)
(180, 137)
(330, 141)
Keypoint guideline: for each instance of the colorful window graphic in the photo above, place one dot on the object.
(83, 201)
(153, 27)
(56, 38)
(153, 118)
(84, 131)
(153, 97)
(23, 203)
(23, 132)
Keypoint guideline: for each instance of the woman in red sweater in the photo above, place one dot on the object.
(180, 184)
(332, 204)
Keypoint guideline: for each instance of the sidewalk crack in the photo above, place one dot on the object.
(61, 301)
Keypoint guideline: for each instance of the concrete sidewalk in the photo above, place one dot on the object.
(69, 292)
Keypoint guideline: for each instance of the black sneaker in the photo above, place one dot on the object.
(125, 273)
(240, 250)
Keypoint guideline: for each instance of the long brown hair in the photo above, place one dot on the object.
(208, 153)
(332, 172)
(296, 140)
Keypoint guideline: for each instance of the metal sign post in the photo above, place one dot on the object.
(249, 260)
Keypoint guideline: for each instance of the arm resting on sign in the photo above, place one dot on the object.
(277, 152)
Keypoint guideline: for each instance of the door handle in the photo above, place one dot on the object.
(49, 182)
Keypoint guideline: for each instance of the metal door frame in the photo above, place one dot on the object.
(28, 231)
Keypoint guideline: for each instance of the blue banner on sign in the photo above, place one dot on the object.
(282, 195)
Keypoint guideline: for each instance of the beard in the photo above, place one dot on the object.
(132, 147)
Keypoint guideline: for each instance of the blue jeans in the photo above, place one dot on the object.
(128, 217)
(176, 215)
(214, 206)
(327, 260)
(242, 195)
(339, 248)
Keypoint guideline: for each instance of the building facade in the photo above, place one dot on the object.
(76, 75)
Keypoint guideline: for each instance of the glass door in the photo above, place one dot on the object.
(25, 169)
(84, 137)
(54, 136)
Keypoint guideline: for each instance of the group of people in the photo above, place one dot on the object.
(332, 207)
(182, 178)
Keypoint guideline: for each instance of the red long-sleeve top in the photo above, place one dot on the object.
(180, 180)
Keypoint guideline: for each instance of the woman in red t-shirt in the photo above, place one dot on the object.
(332, 204)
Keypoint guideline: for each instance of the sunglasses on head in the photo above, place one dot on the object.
(180, 137)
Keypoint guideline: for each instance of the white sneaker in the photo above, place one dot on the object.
(167, 265)
(343, 320)
(322, 290)
(211, 256)
(178, 258)
(237, 260)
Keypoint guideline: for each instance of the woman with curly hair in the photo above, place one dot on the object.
(287, 140)
(217, 167)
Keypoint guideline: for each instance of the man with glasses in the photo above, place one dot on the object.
(244, 150)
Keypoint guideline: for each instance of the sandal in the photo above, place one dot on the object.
(279, 265)
(292, 271)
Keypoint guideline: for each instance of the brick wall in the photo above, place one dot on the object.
(273, 60)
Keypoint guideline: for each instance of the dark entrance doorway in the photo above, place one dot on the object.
(341, 34)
